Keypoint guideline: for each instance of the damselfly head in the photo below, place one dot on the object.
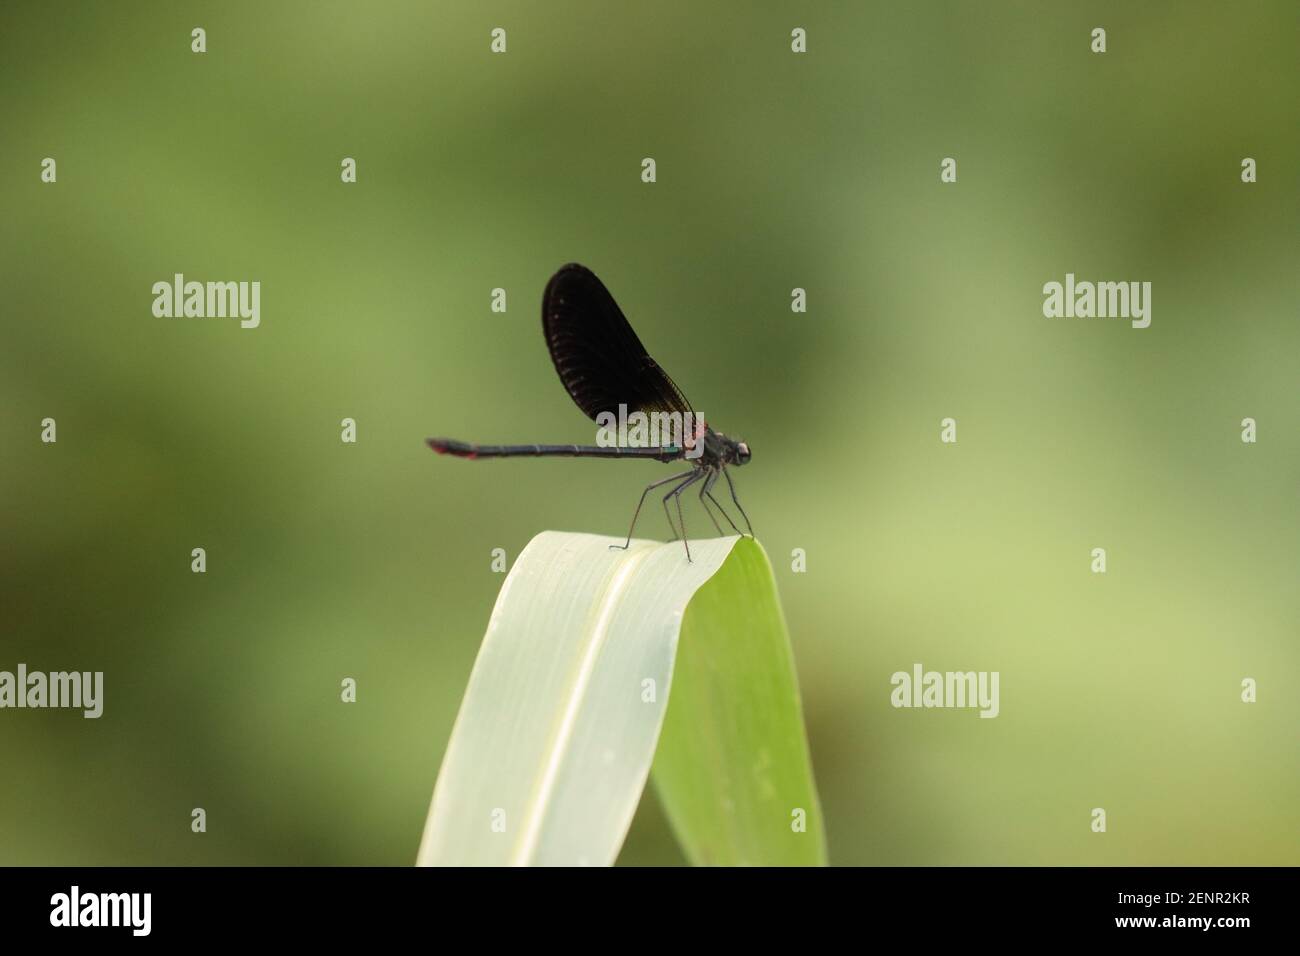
(728, 451)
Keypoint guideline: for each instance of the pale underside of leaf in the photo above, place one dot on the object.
(558, 727)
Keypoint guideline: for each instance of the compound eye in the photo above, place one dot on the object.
(743, 451)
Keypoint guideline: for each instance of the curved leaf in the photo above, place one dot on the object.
(559, 725)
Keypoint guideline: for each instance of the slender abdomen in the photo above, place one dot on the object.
(463, 449)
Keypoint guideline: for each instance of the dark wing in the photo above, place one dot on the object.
(600, 360)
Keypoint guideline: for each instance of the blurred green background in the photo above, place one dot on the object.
(775, 170)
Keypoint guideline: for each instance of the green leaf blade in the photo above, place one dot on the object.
(733, 767)
(562, 719)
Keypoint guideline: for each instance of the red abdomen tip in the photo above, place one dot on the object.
(449, 446)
